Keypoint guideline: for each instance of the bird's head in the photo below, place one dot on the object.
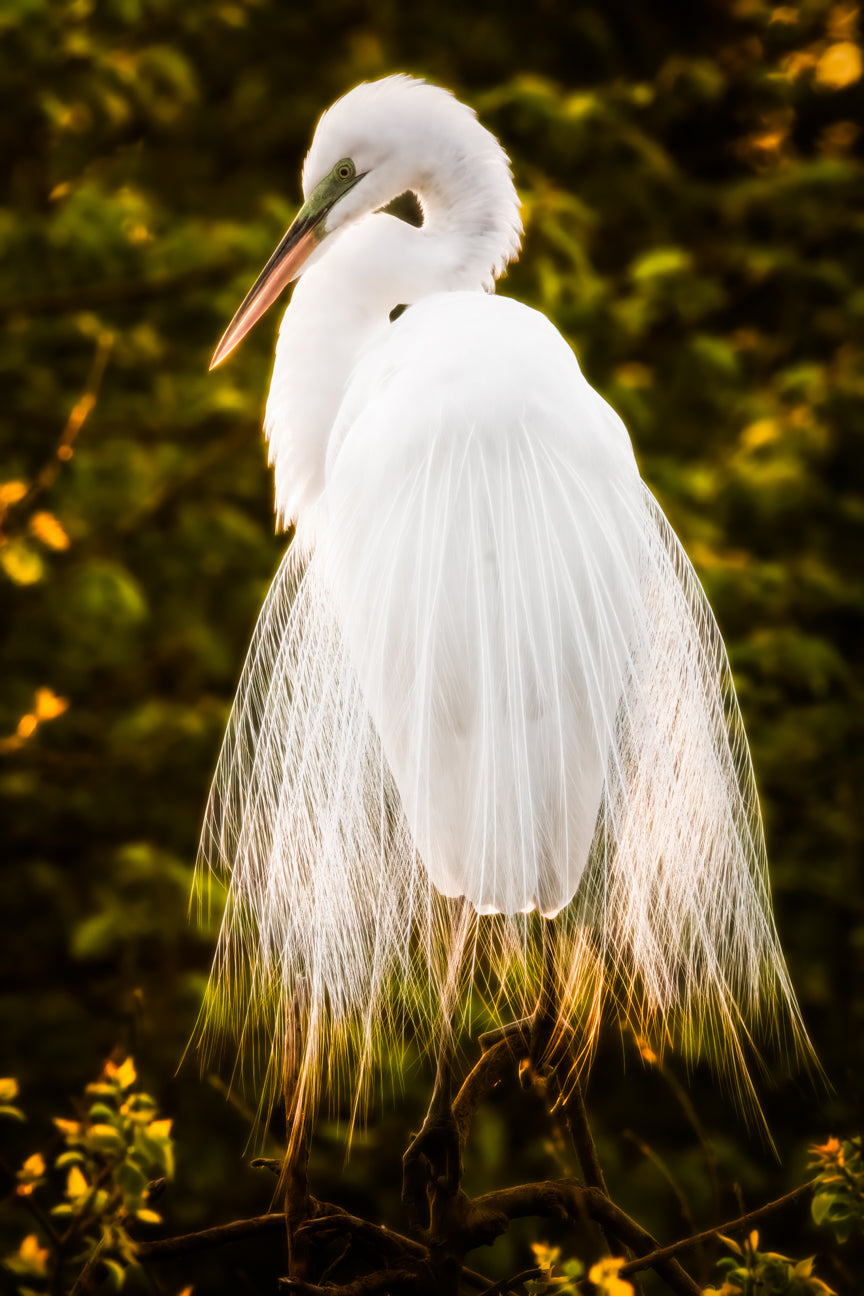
(379, 140)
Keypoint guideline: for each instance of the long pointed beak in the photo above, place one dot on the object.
(284, 265)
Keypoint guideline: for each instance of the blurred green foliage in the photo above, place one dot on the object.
(838, 1200)
(693, 181)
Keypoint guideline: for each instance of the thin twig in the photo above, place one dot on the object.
(273, 1164)
(576, 1118)
(29, 1203)
(575, 1113)
(488, 1216)
(220, 1235)
(78, 415)
(505, 1285)
(740, 1225)
(685, 1102)
(393, 1282)
(389, 1243)
(660, 1165)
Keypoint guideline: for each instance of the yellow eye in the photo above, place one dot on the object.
(344, 169)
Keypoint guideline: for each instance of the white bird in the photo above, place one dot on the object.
(486, 668)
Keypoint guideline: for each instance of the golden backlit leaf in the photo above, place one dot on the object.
(48, 705)
(760, 433)
(45, 527)
(69, 1129)
(11, 492)
(21, 563)
(796, 62)
(33, 1167)
(125, 1074)
(841, 65)
(76, 1185)
(148, 1217)
(545, 1256)
(27, 725)
(33, 1255)
(604, 1274)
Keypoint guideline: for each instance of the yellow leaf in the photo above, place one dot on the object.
(546, 1256)
(109, 1138)
(69, 1129)
(760, 433)
(126, 1075)
(48, 705)
(21, 563)
(796, 62)
(11, 492)
(27, 726)
(148, 1217)
(45, 527)
(604, 1274)
(76, 1185)
(35, 1256)
(159, 1129)
(33, 1167)
(841, 65)
(730, 1243)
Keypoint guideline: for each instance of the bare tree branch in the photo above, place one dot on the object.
(740, 1225)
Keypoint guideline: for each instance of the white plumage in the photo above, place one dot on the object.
(486, 667)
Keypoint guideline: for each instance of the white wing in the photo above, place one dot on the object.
(482, 557)
(499, 678)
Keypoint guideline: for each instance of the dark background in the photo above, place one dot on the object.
(693, 195)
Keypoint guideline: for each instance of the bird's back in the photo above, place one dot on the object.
(479, 545)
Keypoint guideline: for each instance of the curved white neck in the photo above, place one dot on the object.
(345, 298)
(339, 306)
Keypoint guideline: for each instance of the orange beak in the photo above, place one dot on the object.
(284, 265)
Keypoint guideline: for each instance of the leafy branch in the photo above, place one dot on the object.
(113, 1163)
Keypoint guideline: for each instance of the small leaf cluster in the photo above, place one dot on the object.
(838, 1201)
(546, 1280)
(751, 1272)
(113, 1160)
(570, 1280)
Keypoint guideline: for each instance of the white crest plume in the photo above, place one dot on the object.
(485, 669)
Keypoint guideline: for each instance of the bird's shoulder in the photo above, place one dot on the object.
(468, 346)
(462, 364)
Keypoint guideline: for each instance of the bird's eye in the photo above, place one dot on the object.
(344, 169)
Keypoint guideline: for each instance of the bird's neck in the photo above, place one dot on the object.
(344, 302)
(470, 219)
(338, 308)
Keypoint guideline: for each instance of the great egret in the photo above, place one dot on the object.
(485, 669)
